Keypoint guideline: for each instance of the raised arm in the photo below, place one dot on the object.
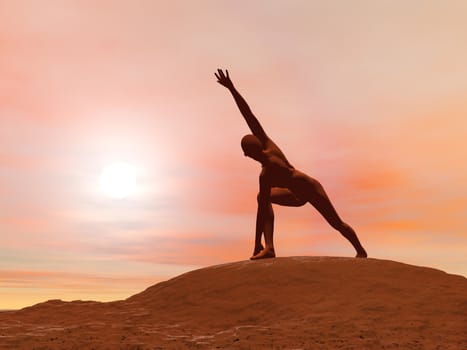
(251, 120)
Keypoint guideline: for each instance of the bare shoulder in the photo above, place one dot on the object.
(273, 149)
(271, 146)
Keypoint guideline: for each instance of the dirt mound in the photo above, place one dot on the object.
(293, 302)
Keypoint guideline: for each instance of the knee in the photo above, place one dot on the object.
(339, 225)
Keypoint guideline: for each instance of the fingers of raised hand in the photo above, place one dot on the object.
(221, 73)
(222, 78)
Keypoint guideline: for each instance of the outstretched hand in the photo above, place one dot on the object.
(224, 79)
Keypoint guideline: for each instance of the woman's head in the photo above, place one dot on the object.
(252, 147)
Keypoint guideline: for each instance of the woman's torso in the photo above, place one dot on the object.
(283, 174)
(278, 170)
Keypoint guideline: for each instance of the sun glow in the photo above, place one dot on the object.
(118, 180)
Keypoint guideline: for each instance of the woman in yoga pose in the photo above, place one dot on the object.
(280, 183)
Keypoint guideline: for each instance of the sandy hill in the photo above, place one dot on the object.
(282, 303)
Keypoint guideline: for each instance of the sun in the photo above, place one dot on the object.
(118, 180)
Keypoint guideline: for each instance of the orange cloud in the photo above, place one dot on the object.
(21, 288)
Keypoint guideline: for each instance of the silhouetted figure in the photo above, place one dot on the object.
(281, 183)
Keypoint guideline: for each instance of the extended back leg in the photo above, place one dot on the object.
(322, 203)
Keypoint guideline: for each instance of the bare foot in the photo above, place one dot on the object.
(361, 254)
(264, 254)
(257, 249)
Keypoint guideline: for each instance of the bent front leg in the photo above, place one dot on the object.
(268, 227)
(265, 224)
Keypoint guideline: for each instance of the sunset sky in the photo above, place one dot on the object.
(368, 97)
